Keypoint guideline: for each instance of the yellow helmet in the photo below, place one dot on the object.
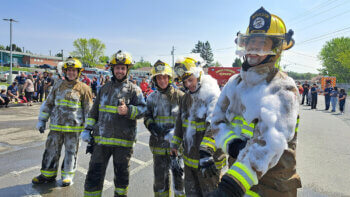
(187, 66)
(121, 58)
(73, 63)
(265, 25)
(161, 68)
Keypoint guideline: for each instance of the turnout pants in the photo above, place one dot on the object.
(196, 185)
(97, 170)
(161, 178)
(52, 154)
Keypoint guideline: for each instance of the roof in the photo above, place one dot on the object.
(33, 55)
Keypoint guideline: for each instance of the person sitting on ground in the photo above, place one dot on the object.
(12, 92)
(4, 100)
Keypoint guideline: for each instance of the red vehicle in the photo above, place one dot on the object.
(222, 74)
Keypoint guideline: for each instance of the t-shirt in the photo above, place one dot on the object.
(328, 90)
(334, 93)
(341, 95)
(30, 86)
(306, 88)
(21, 80)
(3, 96)
(13, 89)
(313, 91)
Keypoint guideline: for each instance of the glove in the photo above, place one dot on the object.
(227, 188)
(155, 130)
(41, 126)
(86, 136)
(176, 166)
(235, 146)
(207, 164)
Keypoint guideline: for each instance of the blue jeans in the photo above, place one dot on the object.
(334, 101)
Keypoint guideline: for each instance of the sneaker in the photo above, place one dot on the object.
(42, 179)
(66, 182)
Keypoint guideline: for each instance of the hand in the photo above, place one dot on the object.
(207, 164)
(235, 146)
(86, 136)
(173, 152)
(155, 130)
(122, 109)
(41, 126)
(176, 167)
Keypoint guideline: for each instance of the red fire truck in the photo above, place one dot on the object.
(222, 74)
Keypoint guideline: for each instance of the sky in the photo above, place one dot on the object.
(149, 29)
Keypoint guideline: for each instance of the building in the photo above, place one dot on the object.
(20, 59)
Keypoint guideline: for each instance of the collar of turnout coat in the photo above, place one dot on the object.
(257, 74)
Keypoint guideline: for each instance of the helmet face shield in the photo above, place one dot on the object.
(260, 44)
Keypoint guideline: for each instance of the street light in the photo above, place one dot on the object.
(10, 20)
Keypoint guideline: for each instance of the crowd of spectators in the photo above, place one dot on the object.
(333, 96)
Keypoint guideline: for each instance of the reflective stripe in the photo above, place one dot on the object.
(180, 195)
(162, 194)
(160, 151)
(149, 121)
(48, 174)
(229, 136)
(198, 126)
(65, 173)
(165, 119)
(220, 164)
(242, 174)
(176, 140)
(108, 108)
(193, 163)
(297, 125)
(245, 127)
(121, 191)
(66, 128)
(134, 112)
(113, 141)
(209, 142)
(95, 193)
(90, 121)
(251, 194)
(68, 103)
(44, 115)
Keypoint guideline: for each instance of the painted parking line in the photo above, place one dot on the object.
(106, 184)
(142, 143)
(141, 167)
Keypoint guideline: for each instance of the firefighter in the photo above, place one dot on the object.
(67, 106)
(256, 117)
(162, 109)
(192, 125)
(111, 125)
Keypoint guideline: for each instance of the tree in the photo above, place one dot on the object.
(2, 47)
(59, 54)
(217, 64)
(301, 76)
(14, 48)
(205, 52)
(141, 64)
(88, 51)
(104, 59)
(335, 57)
(237, 62)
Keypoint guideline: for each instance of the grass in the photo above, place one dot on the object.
(4, 83)
(4, 68)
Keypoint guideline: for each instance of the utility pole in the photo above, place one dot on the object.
(50, 52)
(172, 53)
(62, 54)
(11, 20)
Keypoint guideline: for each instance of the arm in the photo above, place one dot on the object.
(93, 113)
(86, 103)
(178, 133)
(138, 108)
(148, 119)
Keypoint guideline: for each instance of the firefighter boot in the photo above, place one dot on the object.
(42, 179)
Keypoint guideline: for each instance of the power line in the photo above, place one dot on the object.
(303, 54)
(323, 35)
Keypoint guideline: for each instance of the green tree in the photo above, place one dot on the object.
(237, 62)
(205, 52)
(14, 48)
(301, 76)
(335, 57)
(2, 47)
(88, 51)
(104, 59)
(141, 64)
(217, 64)
(58, 55)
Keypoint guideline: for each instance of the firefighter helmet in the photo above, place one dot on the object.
(121, 58)
(185, 67)
(73, 63)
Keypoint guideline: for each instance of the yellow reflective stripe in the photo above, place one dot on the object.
(121, 191)
(165, 119)
(180, 195)
(94, 193)
(113, 141)
(68, 103)
(134, 112)
(176, 140)
(230, 136)
(243, 175)
(66, 128)
(162, 194)
(160, 151)
(44, 115)
(149, 121)
(207, 141)
(108, 108)
(191, 162)
(48, 174)
(198, 126)
(220, 164)
(90, 121)
(297, 125)
(64, 172)
(251, 193)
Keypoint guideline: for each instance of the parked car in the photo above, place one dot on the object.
(47, 66)
(4, 76)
